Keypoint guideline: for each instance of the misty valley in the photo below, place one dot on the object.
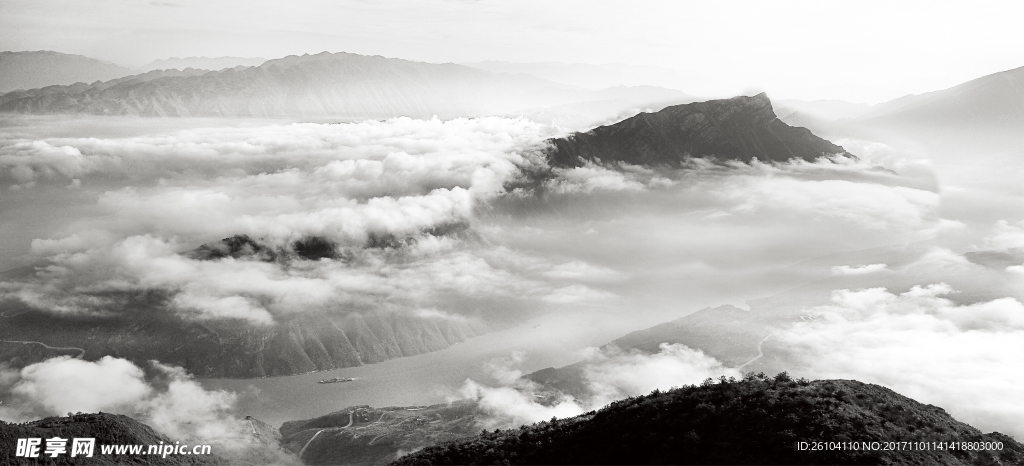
(338, 258)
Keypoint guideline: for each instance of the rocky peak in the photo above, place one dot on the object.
(741, 128)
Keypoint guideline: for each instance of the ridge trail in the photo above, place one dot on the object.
(81, 352)
(759, 352)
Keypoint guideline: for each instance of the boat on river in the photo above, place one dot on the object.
(337, 379)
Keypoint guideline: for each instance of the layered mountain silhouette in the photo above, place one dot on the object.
(741, 128)
(31, 70)
(325, 85)
(758, 420)
(54, 95)
(201, 63)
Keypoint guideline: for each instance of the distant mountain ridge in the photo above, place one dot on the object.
(56, 96)
(31, 70)
(325, 85)
(741, 128)
(201, 63)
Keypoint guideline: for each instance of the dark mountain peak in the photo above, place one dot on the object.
(741, 128)
(238, 247)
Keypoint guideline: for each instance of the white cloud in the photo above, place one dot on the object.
(109, 384)
(582, 271)
(614, 374)
(278, 184)
(608, 374)
(1005, 236)
(857, 269)
(922, 345)
(160, 195)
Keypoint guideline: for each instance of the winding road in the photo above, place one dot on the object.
(3, 314)
(81, 352)
(759, 352)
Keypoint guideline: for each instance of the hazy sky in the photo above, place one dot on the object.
(857, 50)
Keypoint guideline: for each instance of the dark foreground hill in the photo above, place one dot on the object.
(758, 420)
(107, 429)
(740, 128)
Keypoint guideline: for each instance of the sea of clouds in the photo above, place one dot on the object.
(648, 243)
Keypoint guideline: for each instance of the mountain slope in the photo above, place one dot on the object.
(30, 70)
(740, 128)
(144, 330)
(57, 96)
(365, 435)
(754, 421)
(340, 85)
(996, 99)
(143, 325)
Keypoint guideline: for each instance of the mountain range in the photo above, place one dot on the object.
(340, 85)
(994, 101)
(351, 86)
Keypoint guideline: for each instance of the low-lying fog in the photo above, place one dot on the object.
(109, 203)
